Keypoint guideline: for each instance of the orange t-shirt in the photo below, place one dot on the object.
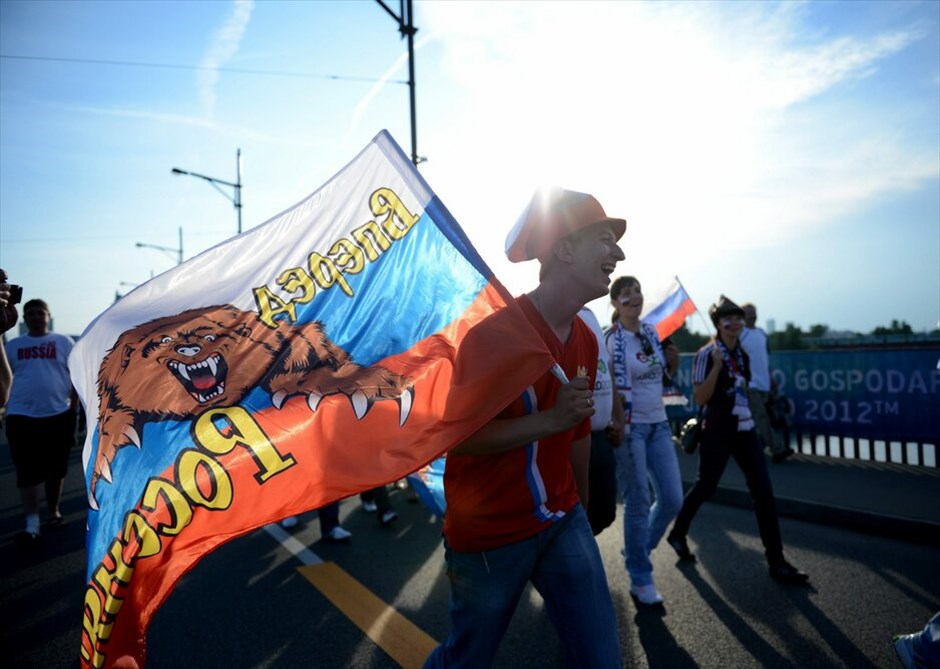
(495, 500)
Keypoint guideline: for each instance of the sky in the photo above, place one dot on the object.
(786, 154)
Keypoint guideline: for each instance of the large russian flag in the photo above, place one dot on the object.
(343, 344)
(668, 310)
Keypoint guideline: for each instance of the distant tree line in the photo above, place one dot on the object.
(688, 342)
(792, 338)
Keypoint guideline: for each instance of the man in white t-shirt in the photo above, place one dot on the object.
(607, 427)
(40, 417)
(754, 341)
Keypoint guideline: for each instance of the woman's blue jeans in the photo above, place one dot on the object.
(564, 564)
(647, 455)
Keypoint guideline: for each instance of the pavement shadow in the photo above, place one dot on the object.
(746, 587)
(840, 644)
(764, 654)
(909, 587)
(42, 589)
(659, 645)
(657, 642)
(384, 559)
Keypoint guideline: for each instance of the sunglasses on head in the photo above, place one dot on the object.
(645, 343)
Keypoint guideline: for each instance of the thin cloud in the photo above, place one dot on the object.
(807, 73)
(145, 115)
(691, 118)
(230, 129)
(366, 100)
(221, 49)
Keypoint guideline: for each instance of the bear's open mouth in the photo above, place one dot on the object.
(203, 380)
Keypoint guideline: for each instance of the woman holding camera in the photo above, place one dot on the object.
(648, 454)
(720, 374)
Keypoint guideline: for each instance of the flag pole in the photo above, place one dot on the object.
(559, 373)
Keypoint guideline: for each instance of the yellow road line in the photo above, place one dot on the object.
(406, 643)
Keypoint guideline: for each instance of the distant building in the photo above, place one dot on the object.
(771, 326)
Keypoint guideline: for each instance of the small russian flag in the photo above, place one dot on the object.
(669, 311)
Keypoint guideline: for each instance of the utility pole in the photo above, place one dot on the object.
(407, 29)
(178, 252)
(235, 199)
(238, 189)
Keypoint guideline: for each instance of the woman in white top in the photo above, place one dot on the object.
(648, 454)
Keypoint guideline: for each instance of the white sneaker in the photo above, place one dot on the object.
(388, 517)
(289, 522)
(339, 534)
(369, 507)
(646, 595)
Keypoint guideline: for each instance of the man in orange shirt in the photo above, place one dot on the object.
(516, 490)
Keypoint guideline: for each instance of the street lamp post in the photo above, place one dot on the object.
(212, 181)
(117, 293)
(169, 249)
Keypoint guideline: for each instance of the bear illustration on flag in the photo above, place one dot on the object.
(175, 366)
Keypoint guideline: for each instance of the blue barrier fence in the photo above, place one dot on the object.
(873, 404)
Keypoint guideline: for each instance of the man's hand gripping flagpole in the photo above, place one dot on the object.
(559, 373)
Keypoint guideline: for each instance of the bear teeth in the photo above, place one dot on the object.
(219, 389)
(106, 471)
(133, 435)
(360, 404)
(405, 402)
(212, 363)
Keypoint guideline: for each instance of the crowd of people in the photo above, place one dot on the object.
(520, 506)
(529, 491)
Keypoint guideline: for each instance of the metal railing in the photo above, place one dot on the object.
(917, 453)
(872, 405)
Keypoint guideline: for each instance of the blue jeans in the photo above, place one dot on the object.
(927, 643)
(716, 449)
(564, 564)
(647, 455)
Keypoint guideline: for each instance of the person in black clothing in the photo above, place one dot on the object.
(720, 374)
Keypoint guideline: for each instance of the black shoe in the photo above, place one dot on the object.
(788, 574)
(780, 456)
(27, 541)
(681, 547)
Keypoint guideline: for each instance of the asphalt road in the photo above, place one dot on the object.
(248, 605)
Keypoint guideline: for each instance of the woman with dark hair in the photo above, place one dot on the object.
(720, 374)
(647, 455)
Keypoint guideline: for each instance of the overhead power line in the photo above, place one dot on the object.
(88, 238)
(171, 66)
